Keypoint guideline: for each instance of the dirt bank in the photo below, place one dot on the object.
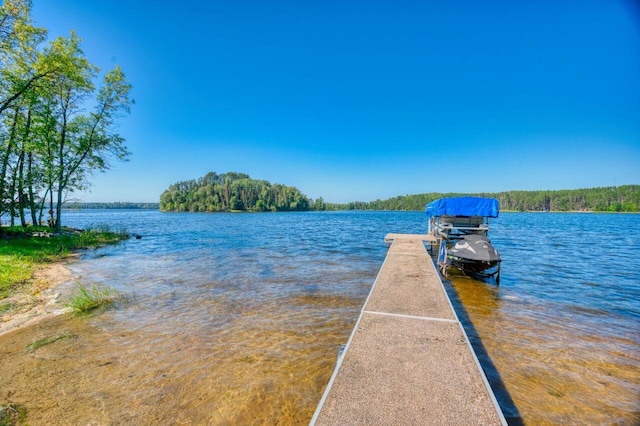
(42, 297)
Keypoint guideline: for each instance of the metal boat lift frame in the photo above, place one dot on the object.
(449, 228)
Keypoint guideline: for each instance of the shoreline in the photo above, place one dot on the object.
(42, 297)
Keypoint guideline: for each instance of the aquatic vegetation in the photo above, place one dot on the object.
(99, 235)
(11, 414)
(88, 299)
(47, 340)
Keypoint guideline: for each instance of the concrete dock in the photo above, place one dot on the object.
(408, 360)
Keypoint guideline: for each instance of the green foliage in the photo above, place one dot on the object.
(22, 251)
(624, 198)
(232, 192)
(14, 269)
(238, 192)
(12, 414)
(48, 340)
(113, 205)
(87, 300)
(50, 144)
(7, 307)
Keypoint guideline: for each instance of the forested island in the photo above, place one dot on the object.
(232, 192)
(238, 192)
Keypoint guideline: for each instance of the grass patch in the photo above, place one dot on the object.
(22, 251)
(47, 340)
(14, 270)
(87, 300)
(12, 414)
(6, 308)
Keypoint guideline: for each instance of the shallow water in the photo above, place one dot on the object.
(238, 318)
(563, 327)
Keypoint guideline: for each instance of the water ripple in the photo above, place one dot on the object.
(237, 317)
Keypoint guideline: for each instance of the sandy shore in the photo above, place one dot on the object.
(43, 297)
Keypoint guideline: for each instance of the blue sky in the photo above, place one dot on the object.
(360, 100)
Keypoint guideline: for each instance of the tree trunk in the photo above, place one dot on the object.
(5, 162)
(51, 220)
(22, 198)
(61, 166)
(31, 193)
(42, 204)
(12, 201)
(59, 210)
(20, 187)
(58, 223)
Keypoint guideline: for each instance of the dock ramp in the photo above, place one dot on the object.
(408, 360)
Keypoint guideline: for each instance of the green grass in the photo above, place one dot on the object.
(22, 251)
(12, 414)
(6, 308)
(47, 340)
(14, 270)
(87, 300)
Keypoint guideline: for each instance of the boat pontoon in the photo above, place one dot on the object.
(461, 225)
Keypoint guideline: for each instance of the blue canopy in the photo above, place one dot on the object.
(463, 206)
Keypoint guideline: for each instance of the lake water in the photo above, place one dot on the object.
(238, 318)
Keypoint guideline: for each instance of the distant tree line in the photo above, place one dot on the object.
(58, 126)
(625, 198)
(231, 192)
(238, 192)
(113, 205)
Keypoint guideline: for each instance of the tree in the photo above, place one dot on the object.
(319, 204)
(21, 66)
(84, 144)
(47, 140)
(231, 191)
(19, 60)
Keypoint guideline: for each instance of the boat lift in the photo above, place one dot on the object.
(451, 219)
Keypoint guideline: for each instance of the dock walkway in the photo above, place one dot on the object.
(408, 360)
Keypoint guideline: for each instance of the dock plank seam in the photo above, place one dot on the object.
(402, 253)
(357, 373)
(416, 317)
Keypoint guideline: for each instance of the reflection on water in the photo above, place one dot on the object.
(237, 319)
